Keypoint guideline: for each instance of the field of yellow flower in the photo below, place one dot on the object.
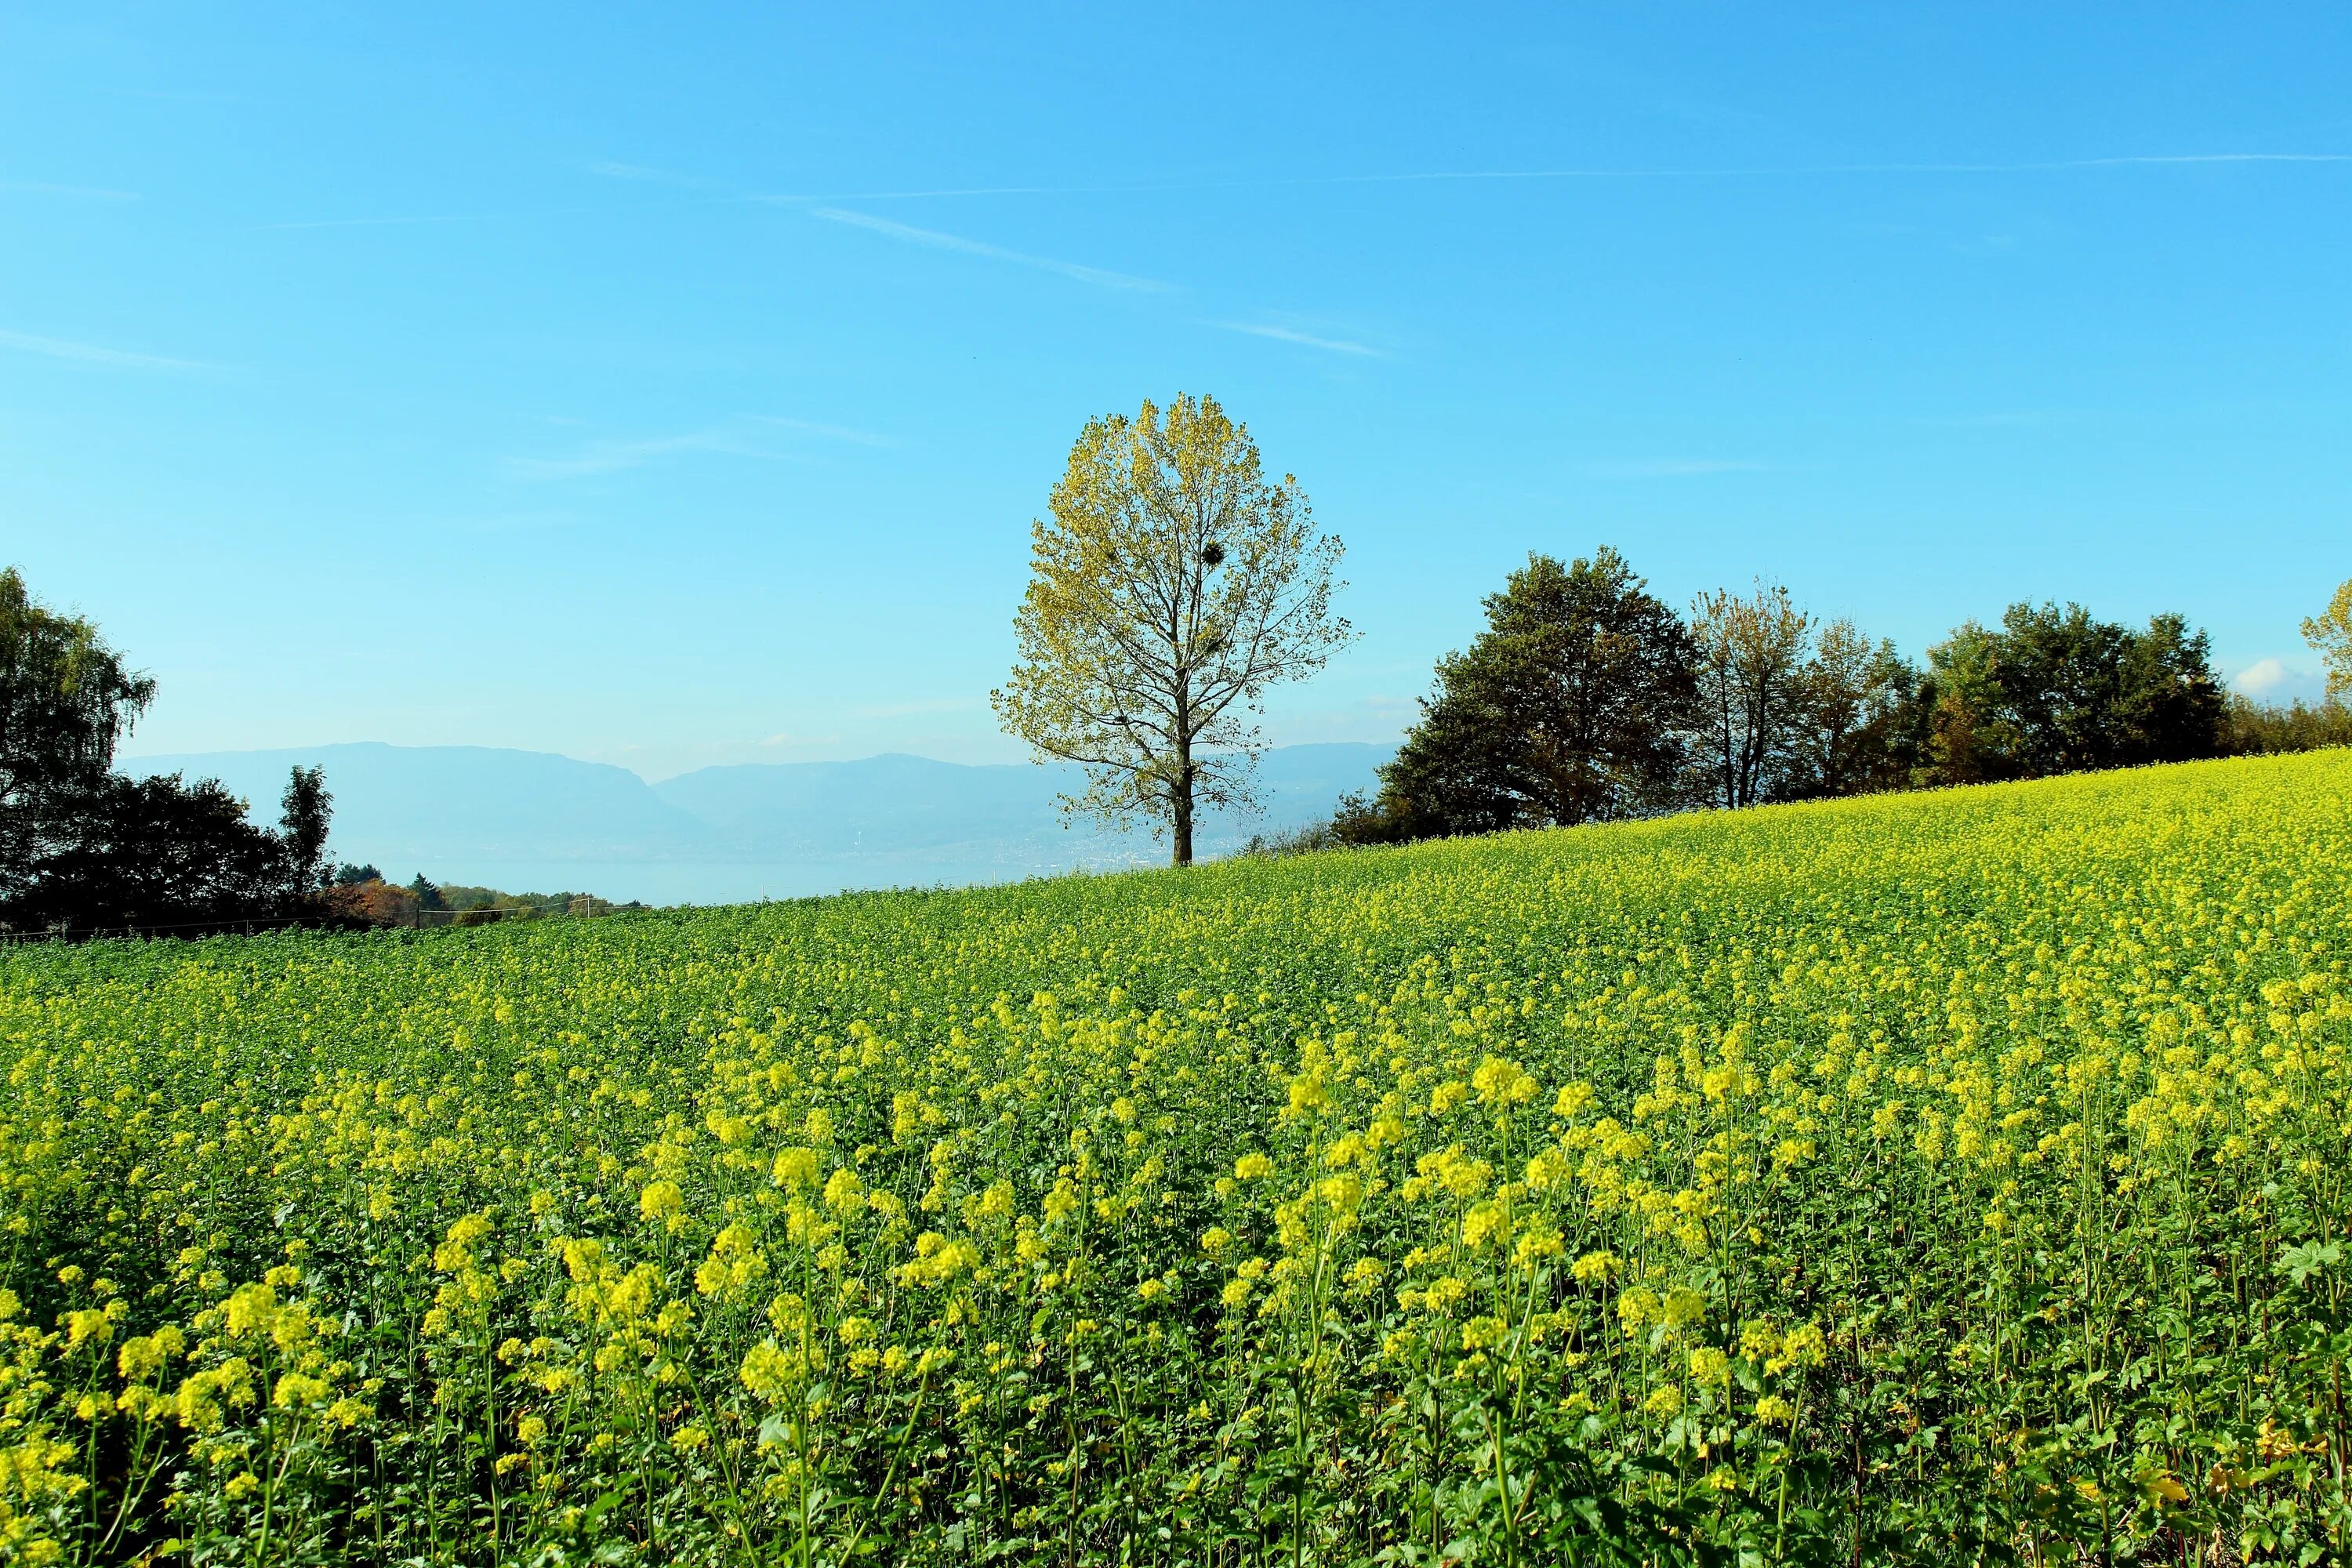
(1947, 1178)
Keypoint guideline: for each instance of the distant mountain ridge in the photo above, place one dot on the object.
(460, 811)
(421, 804)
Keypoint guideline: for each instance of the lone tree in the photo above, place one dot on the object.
(1171, 585)
(305, 811)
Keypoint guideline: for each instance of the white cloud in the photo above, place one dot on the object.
(2262, 675)
(1293, 335)
(935, 239)
(2276, 680)
(91, 354)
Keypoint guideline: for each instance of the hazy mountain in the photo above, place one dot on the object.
(517, 819)
(426, 803)
(895, 804)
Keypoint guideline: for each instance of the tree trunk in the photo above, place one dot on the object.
(1183, 804)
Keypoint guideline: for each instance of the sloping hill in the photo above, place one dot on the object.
(1869, 1118)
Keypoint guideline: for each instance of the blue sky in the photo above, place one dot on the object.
(678, 388)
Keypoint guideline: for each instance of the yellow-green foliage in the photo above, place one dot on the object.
(1943, 1178)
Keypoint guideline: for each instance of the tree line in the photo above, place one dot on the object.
(1587, 699)
(360, 893)
(1172, 582)
(84, 848)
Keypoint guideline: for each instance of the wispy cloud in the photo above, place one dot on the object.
(715, 190)
(818, 427)
(178, 95)
(919, 706)
(519, 521)
(79, 193)
(2207, 158)
(2029, 166)
(1293, 335)
(1674, 467)
(93, 353)
(2008, 419)
(934, 240)
(913, 193)
(821, 203)
(786, 738)
(641, 174)
(385, 222)
(399, 220)
(1591, 172)
(740, 435)
(614, 456)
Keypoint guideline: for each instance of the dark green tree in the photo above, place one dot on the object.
(303, 814)
(2262, 728)
(1571, 707)
(2059, 674)
(2054, 690)
(67, 698)
(2169, 706)
(1858, 726)
(83, 849)
(159, 855)
(1968, 741)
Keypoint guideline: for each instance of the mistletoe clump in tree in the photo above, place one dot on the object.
(1170, 586)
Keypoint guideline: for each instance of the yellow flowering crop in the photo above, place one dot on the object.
(1955, 1177)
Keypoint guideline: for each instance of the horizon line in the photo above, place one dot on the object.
(594, 762)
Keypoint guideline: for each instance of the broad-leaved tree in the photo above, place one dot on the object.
(2330, 632)
(1171, 584)
(1571, 707)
